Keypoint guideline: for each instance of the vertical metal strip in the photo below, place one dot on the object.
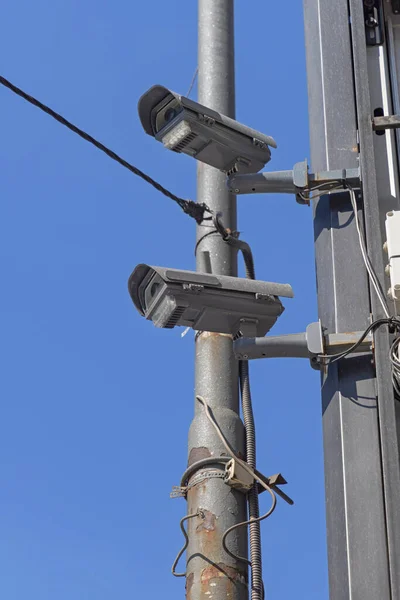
(373, 215)
(357, 547)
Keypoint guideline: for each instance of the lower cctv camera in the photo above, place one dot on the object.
(217, 303)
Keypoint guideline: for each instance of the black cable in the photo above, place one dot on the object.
(212, 232)
(257, 586)
(234, 241)
(185, 535)
(392, 322)
(193, 209)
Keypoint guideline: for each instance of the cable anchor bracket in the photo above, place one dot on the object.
(297, 181)
(313, 344)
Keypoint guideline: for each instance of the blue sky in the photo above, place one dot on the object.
(96, 402)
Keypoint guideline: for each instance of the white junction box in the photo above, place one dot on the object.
(236, 476)
(393, 249)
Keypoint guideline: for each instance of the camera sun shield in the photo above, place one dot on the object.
(170, 297)
(183, 125)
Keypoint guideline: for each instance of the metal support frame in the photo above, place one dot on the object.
(374, 192)
(313, 344)
(210, 570)
(386, 122)
(297, 181)
(359, 412)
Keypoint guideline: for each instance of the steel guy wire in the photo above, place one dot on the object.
(193, 209)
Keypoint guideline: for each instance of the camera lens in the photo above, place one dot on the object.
(169, 114)
(154, 289)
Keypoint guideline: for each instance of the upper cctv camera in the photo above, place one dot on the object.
(217, 303)
(185, 126)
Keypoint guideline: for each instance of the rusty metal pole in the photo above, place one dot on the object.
(211, 573)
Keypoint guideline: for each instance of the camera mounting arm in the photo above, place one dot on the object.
(312, 344)
(298, 181)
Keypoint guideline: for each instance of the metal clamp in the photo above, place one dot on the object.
(181, 491)
(388, 122)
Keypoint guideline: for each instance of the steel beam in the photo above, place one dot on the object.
(356, 517)
(375, 200)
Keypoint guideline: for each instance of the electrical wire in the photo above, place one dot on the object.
(193, 209)
(232, 239)
(367, 261)
(392, 322)
(257, 586)
(244, 524)
(394, 355)
(192, 82)
(316, 196)
(181, 524)
(395, 360)
(254, 507)
(199, 241)
(229, 448)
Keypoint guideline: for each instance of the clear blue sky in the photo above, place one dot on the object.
(96, 402)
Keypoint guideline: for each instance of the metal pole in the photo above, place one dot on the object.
(211, 572)
(360, 438)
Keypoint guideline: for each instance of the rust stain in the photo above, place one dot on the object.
(197, 454)
(220, 574)
(207, 533)
(189, 585)
(207, 523)
(204, 335)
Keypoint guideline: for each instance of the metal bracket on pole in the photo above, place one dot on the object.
(374, 22)
(396, 6)
(389, 122)
(312, 344)
(297, 181)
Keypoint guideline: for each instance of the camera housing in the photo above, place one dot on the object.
(205, 302)
(183, 125)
